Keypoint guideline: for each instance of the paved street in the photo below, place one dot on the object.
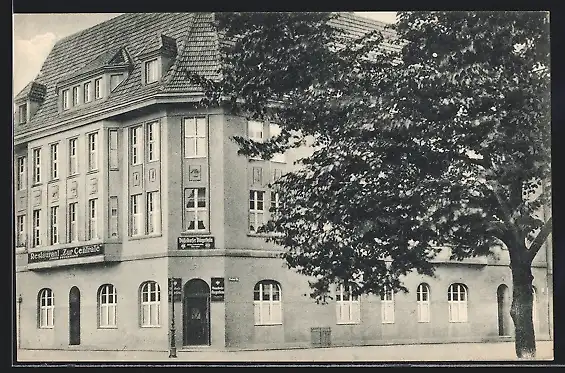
(427, 352)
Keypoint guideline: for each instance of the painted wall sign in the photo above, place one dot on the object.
(175, 289)
(217, 290)
(233, 279)
(66, 253)
(196, 242)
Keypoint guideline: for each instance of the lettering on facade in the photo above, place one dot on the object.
(194, 173)
(55, 193)
(257, 175)
(152, 174)
(65, 253)
(233, 279)
(93, 186)
(196, 242)
(175, 289)
(136, 179)
(217, 290)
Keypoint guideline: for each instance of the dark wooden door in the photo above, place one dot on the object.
(196, 313)
(74, 316)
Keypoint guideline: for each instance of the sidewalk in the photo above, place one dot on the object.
(500, 351)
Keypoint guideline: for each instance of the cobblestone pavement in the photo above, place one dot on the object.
(500, 351)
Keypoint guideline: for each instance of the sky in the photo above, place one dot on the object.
(35, 34)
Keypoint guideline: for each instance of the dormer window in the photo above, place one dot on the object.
(98, 88)
(87, 94)
(65, 99)
(75, 96)
(115, 80)
(151, 71)
(22, 113)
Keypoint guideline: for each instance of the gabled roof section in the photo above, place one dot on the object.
(160, 43)
(33, 91)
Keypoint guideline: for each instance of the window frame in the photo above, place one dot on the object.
(147, 67)
(136, 215)
(21, 230)
(92, 140)
(195, 138)
(73, 156)
(36, 153)
(21, 175)
(46, 309)
(54, 160)
(153, 137)
(86, 92)
(352, 304)
(76, 95)
(72, 221)
(107, 308)
(65, 96)
(36, 232)
(54, 225)
(93, 219)
(196, 210)
(98, 94)
(423, 290)
(387, 306)
(153, 216)
(458, 304)
(259, 305)
(22, 113)
(152, 288)
(136, 145)
(254, 211)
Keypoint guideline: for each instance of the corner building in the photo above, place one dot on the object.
(122, 182)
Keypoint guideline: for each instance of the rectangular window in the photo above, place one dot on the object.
(65, 99)
(75, 96)
(73, 158)
(72, 221)
(113, 158)
(54, 161)
(275, 130)
(136, 145)
(113, 221)
(22, 113)
(151, 71)
(387, 307)
(348, 310)
(423, 302)
(93, 219)
(255, 130)
(196, 209)
(92, 151)
(86, 92)
(36, 228)
(136, 215)
(54, 223)
(22, 173)
(256, 210)
(153, 148)
(194, 137)
(21, 230)
(115, 80)
(274, 202)
(36, 166)
(98, 88)
(153, 213)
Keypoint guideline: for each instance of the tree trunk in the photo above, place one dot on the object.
(521, 309)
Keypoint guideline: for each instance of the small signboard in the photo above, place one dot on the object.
(65, 253)
(196, 242)
(218, 289)
(175, 289)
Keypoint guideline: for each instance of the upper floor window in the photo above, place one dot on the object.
(275, 130)
(423, 302)
(153, 148)
(54, 224)
(196, 210)
(92, 151)
(93, 219)
(275, 203)
(36, 228)
(54, 161)
(115, 80)
(75, 96)
(194, 137)
(457, 300)
(22, 113)
(151, 71)
(87, 94)
(256, 210)
(21, 176)
(98, 88)
(72, 222)
(387, 306)
(348, 310)
(21, 230)
(150, 304)
(36, 166)
(267, 303)
(136, 145)
(136, 215)
(46, 308)
(153, 213)
(66, 101)
(107, 306)
(73, 158)
(255, 130)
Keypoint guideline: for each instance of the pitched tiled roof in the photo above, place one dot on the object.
(33, 90)
(124, 38)
(162, 43)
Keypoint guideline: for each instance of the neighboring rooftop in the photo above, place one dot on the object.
(123, 39)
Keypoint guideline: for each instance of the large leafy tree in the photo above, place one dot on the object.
(441, 143)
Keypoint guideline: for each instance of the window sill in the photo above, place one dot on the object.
(55, 180)
(458, 322)
(142, 237)
(194, 156)
(388, 322)
(92, 171)
(348, 322)
(72, 176)
(107, 327)
(21, 250)
(150, 326)
(195, 233)
(46, 327)
(270, 324)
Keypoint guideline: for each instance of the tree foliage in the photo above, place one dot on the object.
(442, 142)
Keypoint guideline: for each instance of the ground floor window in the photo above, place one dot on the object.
(107, 306)
(457, 300)
(348, 310)
(150, 304)
(267, 303)
(46, 308)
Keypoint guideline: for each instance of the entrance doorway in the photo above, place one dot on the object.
(503, 301)
(196, 313)
(74, 316)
